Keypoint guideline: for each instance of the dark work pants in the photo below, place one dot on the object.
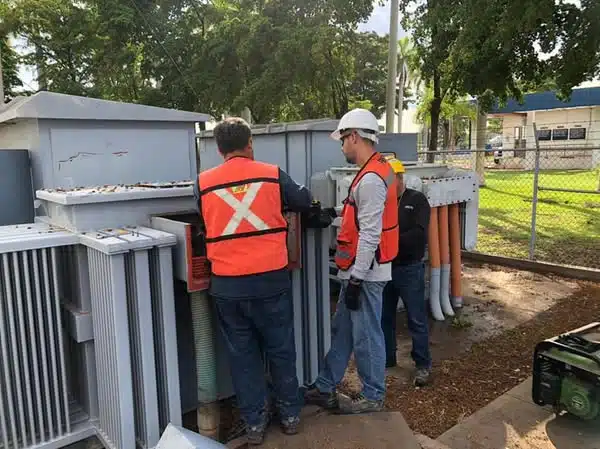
(408, 282)
(249, 325)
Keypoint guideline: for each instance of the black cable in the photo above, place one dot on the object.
(153, 30)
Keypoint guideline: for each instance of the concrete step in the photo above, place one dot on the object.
(321, 430)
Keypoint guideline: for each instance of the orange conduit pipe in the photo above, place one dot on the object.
(455, 253)
(445, 262)
(434, 262)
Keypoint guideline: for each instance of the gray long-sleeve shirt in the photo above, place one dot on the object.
(369, 194)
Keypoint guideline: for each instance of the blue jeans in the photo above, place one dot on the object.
(248, 326)
(408, 282)
(358, 331)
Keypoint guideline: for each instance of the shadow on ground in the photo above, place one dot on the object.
(513, 421)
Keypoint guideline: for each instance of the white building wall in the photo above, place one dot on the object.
(566, 119)
(595, 131)
(509, 123)
(587, 118)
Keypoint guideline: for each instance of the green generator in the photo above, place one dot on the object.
(566, 372)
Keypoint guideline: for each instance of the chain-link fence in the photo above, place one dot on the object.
(536, 204)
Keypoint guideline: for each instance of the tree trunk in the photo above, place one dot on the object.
(41, 66)
(1, 79)
(446, 136)
(436, 107)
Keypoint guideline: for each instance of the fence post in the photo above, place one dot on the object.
(536, 172)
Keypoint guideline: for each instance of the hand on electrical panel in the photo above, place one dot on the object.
(318, 217)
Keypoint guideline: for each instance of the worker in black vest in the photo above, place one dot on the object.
(408, 279)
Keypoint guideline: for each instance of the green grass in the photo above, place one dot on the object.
(568, 224)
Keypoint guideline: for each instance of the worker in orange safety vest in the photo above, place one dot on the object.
(367, 243)
(241, 204)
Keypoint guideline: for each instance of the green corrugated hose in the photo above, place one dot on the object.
(204, 344)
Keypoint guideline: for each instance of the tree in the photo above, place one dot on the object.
(9, 66)
(367, 73)
(283, 59)
(9, 62)
(60, 35)
(303, 60)
(489, 48)
(408, 75)
(497, 53)
(453, 112)
(434, 27)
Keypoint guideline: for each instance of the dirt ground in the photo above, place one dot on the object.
(487, 349)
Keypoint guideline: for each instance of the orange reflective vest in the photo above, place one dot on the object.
(347, 241)
(246, 232)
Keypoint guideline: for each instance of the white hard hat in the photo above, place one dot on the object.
(361, 120)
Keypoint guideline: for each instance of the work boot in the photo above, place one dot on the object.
(256, 434)
(289, 425)
(358, 404)
(422, 376)
(328, 401)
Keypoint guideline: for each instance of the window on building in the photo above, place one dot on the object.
(560, 134)
(544, 134)
(577, 133)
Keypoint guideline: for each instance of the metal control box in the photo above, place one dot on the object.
(190, 262)
(114, 206)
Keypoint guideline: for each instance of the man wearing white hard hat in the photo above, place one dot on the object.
(367, 243)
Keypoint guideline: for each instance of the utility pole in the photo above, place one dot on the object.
(392, 63)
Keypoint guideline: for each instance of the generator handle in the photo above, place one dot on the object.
(582, 329)
(549, 344)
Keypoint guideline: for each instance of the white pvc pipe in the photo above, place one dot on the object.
(446, 306)
(434, 295)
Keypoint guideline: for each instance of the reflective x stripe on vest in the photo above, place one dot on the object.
(242, 209)
(246, 231)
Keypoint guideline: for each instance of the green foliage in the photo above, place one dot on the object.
(489, 48)
(497, 49)
(9, 61)
(451, 108)
(494, 125)
(9, 69)
(284, 59)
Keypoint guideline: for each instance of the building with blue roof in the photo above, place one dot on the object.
(571, 123)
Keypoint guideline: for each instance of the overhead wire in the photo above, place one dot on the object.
(154, 33)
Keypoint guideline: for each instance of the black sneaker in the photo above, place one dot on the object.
(328, 401)
(289, 426)
(358, 404)
(422, 377)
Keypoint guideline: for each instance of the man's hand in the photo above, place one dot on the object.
(316, 217)
(352, 294)
(330, 211)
